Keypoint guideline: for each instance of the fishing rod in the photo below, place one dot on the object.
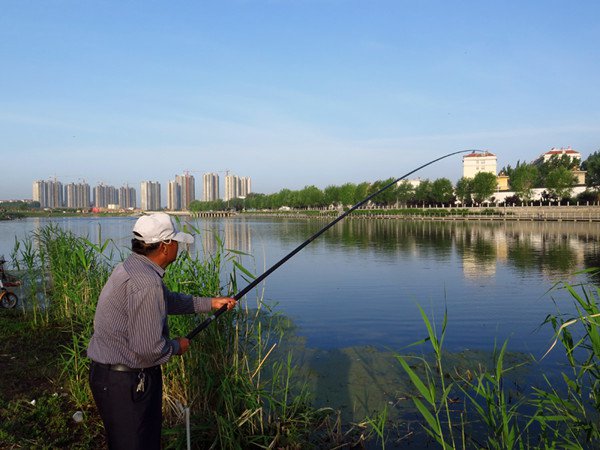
(275, 266)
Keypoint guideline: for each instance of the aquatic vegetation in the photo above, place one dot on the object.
(557, 415)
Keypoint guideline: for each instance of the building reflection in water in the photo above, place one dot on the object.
(481, 247)
(235, 234)
(548, 246)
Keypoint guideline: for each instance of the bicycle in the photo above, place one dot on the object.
(7, 299)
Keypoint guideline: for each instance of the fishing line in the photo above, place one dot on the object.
(275, 266)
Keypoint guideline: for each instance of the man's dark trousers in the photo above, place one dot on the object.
(132, 418)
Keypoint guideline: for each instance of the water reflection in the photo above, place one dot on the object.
(235, 235)
(548, 247)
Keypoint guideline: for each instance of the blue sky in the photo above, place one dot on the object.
(290, 93)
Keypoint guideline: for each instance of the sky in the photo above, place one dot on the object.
(289, 92)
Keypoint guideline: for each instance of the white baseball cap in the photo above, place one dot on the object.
(159, 227)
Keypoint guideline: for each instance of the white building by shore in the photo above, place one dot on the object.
(476, 162)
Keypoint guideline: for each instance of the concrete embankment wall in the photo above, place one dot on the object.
(571, 213)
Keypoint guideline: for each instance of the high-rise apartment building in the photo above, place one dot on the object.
(236, 187)
(77, 195)
(48, 193)
(245, 186)
(105, 195)
(210, 184)
(181, 192)
(127, 197)
(173, 196)
(150, 196)
(38, 191)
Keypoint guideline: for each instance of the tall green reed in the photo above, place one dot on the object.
(26, 257)
(238, 395)
(552, 416)
(494, 406)
(241, 395)
(435, 388)
(571, 413)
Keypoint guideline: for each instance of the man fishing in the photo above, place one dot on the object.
(131, 336)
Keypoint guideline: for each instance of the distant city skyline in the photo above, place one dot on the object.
(180, 192)
(293, 93)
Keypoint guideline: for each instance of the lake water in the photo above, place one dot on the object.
(354, 292)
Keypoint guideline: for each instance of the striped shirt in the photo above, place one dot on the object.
(130, 325)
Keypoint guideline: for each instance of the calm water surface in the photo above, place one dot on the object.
(360, 282)
(354, 293)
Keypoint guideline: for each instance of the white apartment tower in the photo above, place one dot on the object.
(236, 187)
(210, 183)
(473, 163)
(150, 196)
(105, 195)
(173, 196)
(245, 186)
(48, 193)
(78, 195)
(185, 194)
(127, 197)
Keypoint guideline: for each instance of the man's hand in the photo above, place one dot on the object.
(184, 345)
(218, 302)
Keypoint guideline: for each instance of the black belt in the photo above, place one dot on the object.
(123, 367)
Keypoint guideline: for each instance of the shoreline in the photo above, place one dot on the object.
(570, 213)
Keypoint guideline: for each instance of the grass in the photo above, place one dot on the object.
(36, 407)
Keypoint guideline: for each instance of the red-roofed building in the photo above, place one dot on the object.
(476, 162)
(573, 154)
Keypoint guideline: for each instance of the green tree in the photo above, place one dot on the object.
(523, 180)
(311, 196)
(555, 162)
(387, 197)
(361, 191)
(332, 195)
(442, 190)
(405, 192)
(464, 190)
(483, 186)
(347, 192)
(424, 192)
(256, 201)
(592, 166)
(560, 182)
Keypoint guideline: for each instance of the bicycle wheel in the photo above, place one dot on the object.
(9, 300)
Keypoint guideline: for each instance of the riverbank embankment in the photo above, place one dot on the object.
(556, 213)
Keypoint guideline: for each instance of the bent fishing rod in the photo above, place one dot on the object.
(275, 266)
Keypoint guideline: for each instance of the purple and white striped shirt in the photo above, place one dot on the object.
(130, 325)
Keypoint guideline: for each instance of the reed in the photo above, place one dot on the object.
(555, 415)
(238, 395)
(433, 387)
(570, 414)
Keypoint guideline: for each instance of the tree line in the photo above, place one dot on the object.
(555, 176)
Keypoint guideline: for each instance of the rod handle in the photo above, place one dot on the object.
(206, 322)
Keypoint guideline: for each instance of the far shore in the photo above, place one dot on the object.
(557, 213)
